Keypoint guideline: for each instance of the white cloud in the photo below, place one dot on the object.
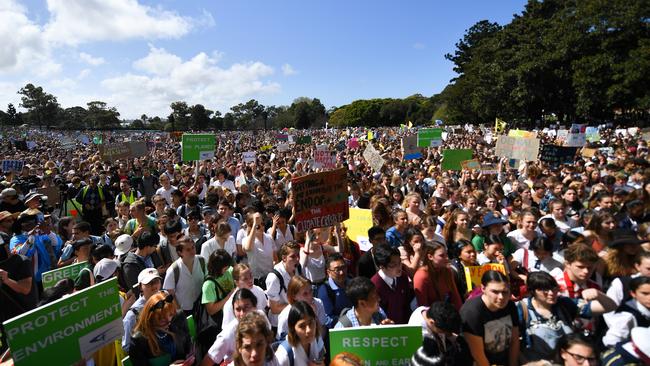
(83, 74)
(167, 78)
(76, 21)
(90, 60)
(288, 70)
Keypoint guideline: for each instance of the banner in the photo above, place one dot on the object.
(452, 158)
(50, 278)
(522, 133)
(378, 346)
(373, 157)
(320, 199)
(556, 155)
(430, 137)
(473, 164)
(473, 274)
(358, 224)
(67, 330)
(282, 137)
(67, 143)
(123, 150)
(197, 147)
(517, 148)
(249, 156)
(302, 140)
(410, 148)
(12, 166)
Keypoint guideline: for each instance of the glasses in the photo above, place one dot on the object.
(338, 269)
(546, 290)
(161, 303)
(581, 359)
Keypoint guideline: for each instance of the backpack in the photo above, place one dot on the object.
(287, 347)
(377, 318)
(283, 287)
(177, 269)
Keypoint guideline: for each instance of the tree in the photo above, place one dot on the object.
(11, 115)
(42, 107)
(248, 115)
(75, 118)
(200, 117)
(100, 116)
(181, 114)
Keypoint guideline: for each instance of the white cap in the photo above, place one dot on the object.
(123, 244)
(105, 268)
(147, 275)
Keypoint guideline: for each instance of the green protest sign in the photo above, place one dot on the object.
(430, 137)
(452, 159)
(384, 345)
(67, 330)
(303, 140)
(50, 278)
(197, 147)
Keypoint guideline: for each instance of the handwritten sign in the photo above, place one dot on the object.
(321, 199)
(249, 156)
(517, 148)
(323, 158)
(556, 155)
(12, 165)
(473, 274)
(121, 151)
(473, 164)
(373, 157)
(410, 149)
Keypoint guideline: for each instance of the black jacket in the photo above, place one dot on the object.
(139, 351)
(131, 267)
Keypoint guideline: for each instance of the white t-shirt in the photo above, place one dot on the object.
(262, 303)
(518, 239)
(274, 291)
(280, 237)
(212, 245)
(547, 265)
(283, 318)
(299, 355)
(167, 194)
(260, 257)
(189, 285)
(315, 269)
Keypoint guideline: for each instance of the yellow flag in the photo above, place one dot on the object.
(499, 125)
(370, 136)
(410, 124)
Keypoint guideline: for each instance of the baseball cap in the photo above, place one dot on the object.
(123, 244)
(147, 275)
(8, 192)
(105, 268)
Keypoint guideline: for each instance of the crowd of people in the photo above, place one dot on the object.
(216, 240)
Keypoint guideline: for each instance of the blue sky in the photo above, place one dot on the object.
(139, 56)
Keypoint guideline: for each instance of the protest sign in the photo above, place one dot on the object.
(12, 166)
(592, 134)
(575, 140)
(473, 164)
(377, 346)
(323, 158)
(67, 330)
(646, 136)
(452, 158)
(283, 147)
(67, 143)
(302, 140)
(410, 148)
(489, 169)
(522, 134)
(282, 137)
(373, 157)
(430, 137)
(556, 155)
(121, 151)
(562, 135)
(266, 147)
(249, 156)
(588, 153)
(473, 274)
(197, 147)
(358, 224)
(50, 278)
(321, 199)
(517, 148)
(84, 139)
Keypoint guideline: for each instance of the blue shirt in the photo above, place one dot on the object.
(333, 310)
(394, 238)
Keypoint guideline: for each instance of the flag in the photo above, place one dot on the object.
(499, 125)
(410, 124)
(370, 136)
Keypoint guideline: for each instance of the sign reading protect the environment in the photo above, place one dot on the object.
(321, 199)
(67, 330)
(385, 345)
(197, 147)
(50, 278)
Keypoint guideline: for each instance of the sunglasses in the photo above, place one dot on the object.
(161, 303)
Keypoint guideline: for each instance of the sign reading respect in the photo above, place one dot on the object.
(67, 330)
(376, 346)
(321, 199)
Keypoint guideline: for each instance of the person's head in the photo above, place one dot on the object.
(336, 268)
(156, 315)
(149, 282)
(605, 201)
(580, 260)
(194, 217)
(303, 326)
(225, 208)
(164, 181)
(363, 295)
(493, 245)
(243, 302)
(443, 318)
(435, 255)
(137, 209)
(242, 275)
(376, 236)
(542, 247)
(557, 208)
(82, 248)
(186, 248)
(159, 202)
(496, 290)
(603, 222)
(642, 263)
(576, 349)
(220, 260)
(464, 251)
(222, 229)
(290, 255)
(640, 290)
(542, 287)
(173, 230)
(388, 260)
(81, 230)
(412, 237)
(401, 219)
(253, 341)
(299, 289)
(528, 221)
(147, 243)
(548, 227)
(125, 186)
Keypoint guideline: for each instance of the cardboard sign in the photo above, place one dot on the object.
(50, 278)
(12, 166)
(358, 224)
(321, 199)
(67, 330)
(373, 157)
(323, 158)
(430, 137)
(473, 164)
(556, 155)
(588, 153)
(377, 346)
(68, 143)
(122, 151)
(575, 140)
(489, 169)
(283, 147)
(562, 135)
(452, 158)
(249, 156)
(410, 149)
(197, 147)
(303, 140)
(473, 274)
(517, 148)
(353, 143)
